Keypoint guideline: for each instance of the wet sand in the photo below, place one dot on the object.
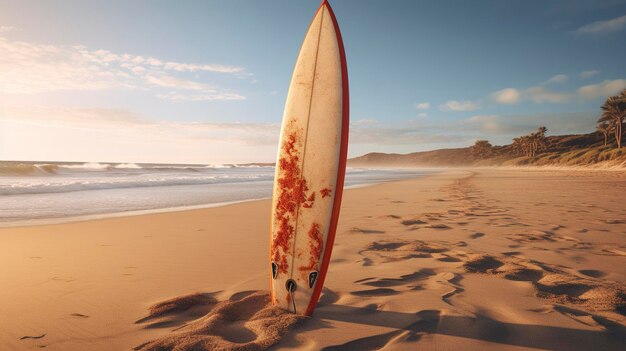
(462, 260)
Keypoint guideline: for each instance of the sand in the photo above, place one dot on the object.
(462, 260)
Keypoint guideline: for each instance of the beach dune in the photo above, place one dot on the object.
(479, 259)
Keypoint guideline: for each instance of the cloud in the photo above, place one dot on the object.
(508, 96)
(398, 135)
(4, 29)
(603, 27)
(422, 106)
(559, 78)
(537, 94)
(205, 95)
(604, 89)
(186, 67)
(175, 83)
(588, 74)
(504, 127)
(540, 95)
(499, 129)
(29, 68)
(454, 105)
(71, 115)
(488, 123)
(121, 135)
(364, 122)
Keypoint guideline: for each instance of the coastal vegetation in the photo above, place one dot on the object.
(601, 148)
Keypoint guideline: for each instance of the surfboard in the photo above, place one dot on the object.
(310, 167)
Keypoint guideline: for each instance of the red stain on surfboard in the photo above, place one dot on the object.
(325, 192)
(293, 190)
(309, 201)
(316, 244)
(291, 186)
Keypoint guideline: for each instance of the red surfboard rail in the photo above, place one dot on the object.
(341, 173)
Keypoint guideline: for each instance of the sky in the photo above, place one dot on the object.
(206, 81)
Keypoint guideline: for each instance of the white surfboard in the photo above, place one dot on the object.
(310, 167)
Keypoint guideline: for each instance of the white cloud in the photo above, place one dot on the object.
(504, 127)
(559, 78)
(537, 94)
(27, 68)
(364, 122)
(187, 67)
(121, 135)
(70, 115)
(422, 106)
(588, 74)
(603, 27)
(540, 95)
(508, 96)
(4, 29)
(166, 81)
(486, 123)
(604, 89)
(204, 95)
(454, 105)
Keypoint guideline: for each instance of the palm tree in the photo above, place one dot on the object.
(541, 131)
(529, 145)
(605, 128)
(614, 112)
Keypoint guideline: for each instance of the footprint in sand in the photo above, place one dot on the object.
(79, 315)
(402, 280)
(447, 258)
(477, 235)
(33, 337)
(375, 292)
(178, 310)
(512, 253)
(592, 273)
(392, 216)
(438, 226)
(412, 222)
(365, 262)
(554, 282)
(366, 231)
(482, 264)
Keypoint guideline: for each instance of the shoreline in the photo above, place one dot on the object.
(133, 213)
(467, 259)
(621, 171)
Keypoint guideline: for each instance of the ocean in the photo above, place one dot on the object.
(38, 192)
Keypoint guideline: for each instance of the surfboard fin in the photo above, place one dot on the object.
(312, 278)
(274, 270)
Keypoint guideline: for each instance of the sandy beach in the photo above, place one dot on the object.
(479, 259)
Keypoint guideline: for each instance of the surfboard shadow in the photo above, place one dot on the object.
(480, 327)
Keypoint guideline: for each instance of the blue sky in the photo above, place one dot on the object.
(205, 81)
